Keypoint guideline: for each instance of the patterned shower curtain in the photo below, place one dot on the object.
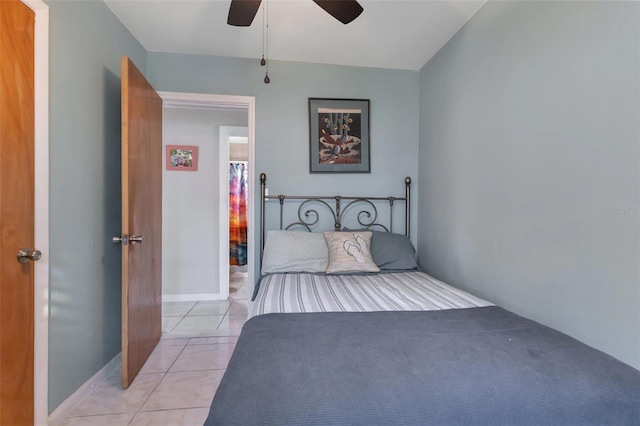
(238, 214)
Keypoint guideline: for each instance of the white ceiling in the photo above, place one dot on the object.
(396, 34)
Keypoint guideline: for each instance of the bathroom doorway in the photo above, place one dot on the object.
(236, 141)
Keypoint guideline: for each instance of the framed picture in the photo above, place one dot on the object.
(182, 157)
(339, 136)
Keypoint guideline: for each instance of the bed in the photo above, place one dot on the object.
(345, 329)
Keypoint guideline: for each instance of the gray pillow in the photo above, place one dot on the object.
(391, 251)
(294, 251)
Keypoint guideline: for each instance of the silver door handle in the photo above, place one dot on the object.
(125, 239)
(120, 239)
(25, 254)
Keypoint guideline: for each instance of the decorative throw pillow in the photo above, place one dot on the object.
(391, 251)
(349, 252)
(294, 251)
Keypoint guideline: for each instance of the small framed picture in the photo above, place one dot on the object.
(339, 136)
(182, 157)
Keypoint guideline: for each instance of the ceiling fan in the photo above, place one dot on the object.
(242, 12)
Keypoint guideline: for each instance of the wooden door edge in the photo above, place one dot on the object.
(125, 216)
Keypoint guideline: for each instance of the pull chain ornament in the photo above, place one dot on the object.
(265, 41)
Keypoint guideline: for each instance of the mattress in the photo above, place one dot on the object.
(393, 291)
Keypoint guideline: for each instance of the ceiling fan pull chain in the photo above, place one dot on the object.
(267, 80)
(262, 61)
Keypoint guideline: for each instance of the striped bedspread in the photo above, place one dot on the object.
(398, 291)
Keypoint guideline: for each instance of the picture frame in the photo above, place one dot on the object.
(181, 157)
(339, 139)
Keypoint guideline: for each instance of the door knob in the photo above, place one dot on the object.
(120, 239)
(25, 254)
(125, 239)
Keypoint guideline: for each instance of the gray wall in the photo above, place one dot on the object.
(529, 166)
(282, 120)
(86, 42)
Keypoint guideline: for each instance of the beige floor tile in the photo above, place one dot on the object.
(231, 325)
(238, 290)
(203, 357)
(117, 371)
(181, 341)
(237, 321)
(197, 326)
(176, 309)
(108, 420)
(210, 308)
(239, 307)
(237, 294)
(110, 398)
(184, 417)
(114, 379)
(232, 340)
(161, 359)
(169, 323)
(186, 389)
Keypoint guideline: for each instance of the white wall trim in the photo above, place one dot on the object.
(83, 392)
(251, 232)
(41, 181)
(204, 101)
(193, 297)
(228, 102)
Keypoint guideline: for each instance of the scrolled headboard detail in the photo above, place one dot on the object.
(337, 205)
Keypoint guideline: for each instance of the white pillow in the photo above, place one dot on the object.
(294, 251)
(349, 252)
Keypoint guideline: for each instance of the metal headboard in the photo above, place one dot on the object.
(311, 215)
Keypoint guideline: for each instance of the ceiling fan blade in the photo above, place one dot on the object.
(242, 12)
(344, 11)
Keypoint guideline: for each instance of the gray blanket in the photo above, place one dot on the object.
(476, 366)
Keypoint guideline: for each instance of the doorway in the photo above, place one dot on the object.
(234, 149)
(196, 260)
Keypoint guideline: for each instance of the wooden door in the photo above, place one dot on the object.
(141, 219)
(17, 135)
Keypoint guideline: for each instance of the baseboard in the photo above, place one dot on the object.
(195, 297)
(76, 398)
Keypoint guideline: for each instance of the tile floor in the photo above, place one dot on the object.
(176, 385)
